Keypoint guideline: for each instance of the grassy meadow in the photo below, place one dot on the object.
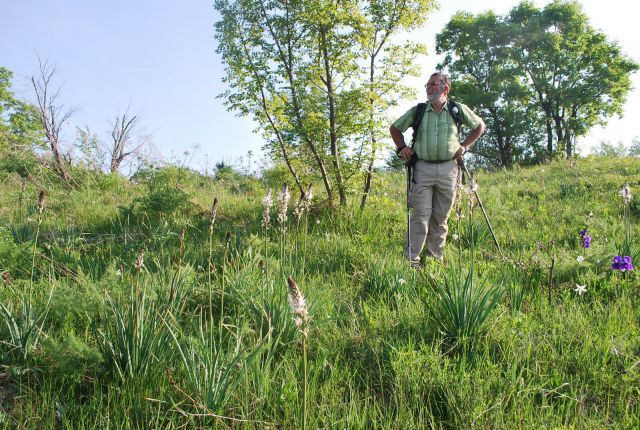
(143, 304)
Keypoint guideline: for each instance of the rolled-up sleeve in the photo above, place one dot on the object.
(405, 121)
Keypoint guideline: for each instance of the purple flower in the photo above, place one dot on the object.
(622, 263)
(586, 239)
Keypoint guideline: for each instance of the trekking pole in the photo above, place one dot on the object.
(408, 212)
(495, 240)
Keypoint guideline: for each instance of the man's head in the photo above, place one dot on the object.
(438, 86)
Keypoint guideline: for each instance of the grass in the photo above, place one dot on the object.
(201, 334)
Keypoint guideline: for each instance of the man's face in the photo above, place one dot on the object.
(435, 88)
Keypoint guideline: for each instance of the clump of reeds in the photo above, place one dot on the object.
(298, 308)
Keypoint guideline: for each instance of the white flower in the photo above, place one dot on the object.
(625, 193)
(318, 221)
(590, 213)
(402, 281)
(455, 236)
(267, 202)
(579, 258)
(118, 272)
(580, 289)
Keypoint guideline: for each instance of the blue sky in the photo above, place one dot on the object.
(158, 57)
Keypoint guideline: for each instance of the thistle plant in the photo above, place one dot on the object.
(298, 307)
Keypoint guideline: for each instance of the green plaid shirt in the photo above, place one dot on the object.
(437, 135)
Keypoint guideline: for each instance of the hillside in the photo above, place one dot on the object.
(135, 304)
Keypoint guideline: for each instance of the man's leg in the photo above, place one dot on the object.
(443, 195)
(420, 198)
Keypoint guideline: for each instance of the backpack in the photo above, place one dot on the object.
(452, 107)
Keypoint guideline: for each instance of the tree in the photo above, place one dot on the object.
(20, 131)
(110, 156)
(52, 115)
(634, 150)
(387, 64)
(298, 68)
(578, 77)
(477, 56)
(608, 149)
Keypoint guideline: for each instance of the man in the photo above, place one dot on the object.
(435, 172)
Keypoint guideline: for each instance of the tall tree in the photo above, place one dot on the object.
(580, 79)
(20, 131)
(477, 54)
(297, 67)
(387, 64)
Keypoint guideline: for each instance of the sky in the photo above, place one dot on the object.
(157, 59)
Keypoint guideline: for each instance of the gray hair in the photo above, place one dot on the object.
(444, 78)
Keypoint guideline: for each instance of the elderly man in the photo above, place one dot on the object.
(437, 150)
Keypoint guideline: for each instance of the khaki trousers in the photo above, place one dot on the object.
(431, 197)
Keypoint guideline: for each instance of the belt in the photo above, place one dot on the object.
(435, 161)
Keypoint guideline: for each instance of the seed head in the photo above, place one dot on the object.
(283, 205)
(267, 202)
(41, 203)
(140, 261)
(625, 193)
(6, 278)
(298, 306)
(214, 210)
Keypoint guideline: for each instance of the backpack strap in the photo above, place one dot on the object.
(454, 111)
(417, 119)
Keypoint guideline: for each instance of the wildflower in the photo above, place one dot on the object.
(118, 272)
(214, 212)
(41, 203)
(580, 259)
(140, 261)
(283, 204)
(622, 263)
(586, 238)
(455, 236)
(402, 281)
(580, 289)
(318, 222)
(473, 186)
(625, 193)
(298, 306)
(590, 213)
(267, 202)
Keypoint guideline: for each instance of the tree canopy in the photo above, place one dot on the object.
(318, 77)
(536, 74)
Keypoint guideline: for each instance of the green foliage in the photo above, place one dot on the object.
(534, 73)
(462, 308)
(376, 355)
(318, 78)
